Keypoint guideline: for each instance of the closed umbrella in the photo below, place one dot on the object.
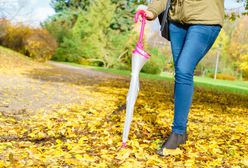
(139, 58)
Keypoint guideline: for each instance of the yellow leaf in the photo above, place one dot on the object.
(58, 141)
(88, 158)
(82, 140)
(78, 156)
(123, 154)
(176, 151)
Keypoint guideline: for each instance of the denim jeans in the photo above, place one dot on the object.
(189, 44)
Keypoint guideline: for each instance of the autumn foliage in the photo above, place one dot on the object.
(223, 77)
(33, 42)
(89, 133)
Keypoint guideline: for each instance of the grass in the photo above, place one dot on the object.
(239, 87)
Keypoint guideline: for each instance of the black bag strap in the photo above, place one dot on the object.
(164, 21)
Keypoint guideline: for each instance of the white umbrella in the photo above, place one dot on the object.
(139, 58)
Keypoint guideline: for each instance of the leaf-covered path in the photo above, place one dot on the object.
(61, 116)
(46, 86)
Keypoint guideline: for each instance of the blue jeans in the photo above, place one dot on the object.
(189, 44)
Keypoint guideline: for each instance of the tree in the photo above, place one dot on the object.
(245, 2)
(221, 46)
(61, 24)
(123, 18)
(10, 10)
(60, 5)
(88, 38)
(93, 37)
(238, 45)
(244, 63)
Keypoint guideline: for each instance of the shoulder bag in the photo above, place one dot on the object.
(163, 20)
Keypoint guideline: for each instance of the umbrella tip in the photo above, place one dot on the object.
(124, 144)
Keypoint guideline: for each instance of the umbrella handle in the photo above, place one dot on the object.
(143, 22)
(140, 46)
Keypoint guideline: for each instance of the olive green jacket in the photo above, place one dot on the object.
(191, 11)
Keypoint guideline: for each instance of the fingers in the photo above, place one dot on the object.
(149, 15)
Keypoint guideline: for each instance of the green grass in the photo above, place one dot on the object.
(239, 87)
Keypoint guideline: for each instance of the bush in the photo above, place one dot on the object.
(33, 42)
(223, 76)
(155, 64)
(122, 66)
(151, 67)
(69, 51)
(39, 45)
(13, 35)
(3, 29)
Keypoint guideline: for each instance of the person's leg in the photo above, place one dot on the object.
(198, 41)
(177, 36)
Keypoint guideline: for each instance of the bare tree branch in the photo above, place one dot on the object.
(12, 8)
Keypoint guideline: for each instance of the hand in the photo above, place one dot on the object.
(149, 15)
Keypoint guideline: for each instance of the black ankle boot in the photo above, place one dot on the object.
(173, 141)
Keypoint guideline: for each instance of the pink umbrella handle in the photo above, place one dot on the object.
(143, 22)
(140, 46)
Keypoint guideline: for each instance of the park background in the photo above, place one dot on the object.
(65, 72)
